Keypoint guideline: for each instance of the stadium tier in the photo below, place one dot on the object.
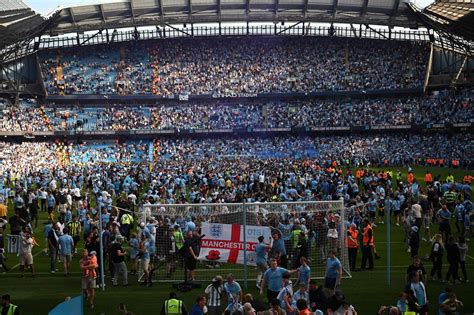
(225, 66)
(442, 108)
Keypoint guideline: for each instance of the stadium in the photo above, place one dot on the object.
(236, 157)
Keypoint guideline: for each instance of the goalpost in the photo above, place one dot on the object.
(324, 222)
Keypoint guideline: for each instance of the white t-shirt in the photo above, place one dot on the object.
(416, 210)
(342, 311)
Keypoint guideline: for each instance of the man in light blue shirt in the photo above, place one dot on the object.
(261, 259)
(66, 245)
(233, 290)
(333, 272)
(273, 280)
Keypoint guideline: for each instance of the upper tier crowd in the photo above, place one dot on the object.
(228, 66)
(442, 107)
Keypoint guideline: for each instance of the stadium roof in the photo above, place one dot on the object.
(16, 19)
(131, 13)
(456, 16)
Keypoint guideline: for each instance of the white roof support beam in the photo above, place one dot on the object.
(102, 14)
(247, 10)
(334, 9)
(364, 8)
(190, 9)
(73, 19)
(277, 6)
(162, 12)
(305, 9)
(132, 12)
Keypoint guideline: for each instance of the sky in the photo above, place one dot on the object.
(46, 6)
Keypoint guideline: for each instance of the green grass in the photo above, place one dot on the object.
(366, 290)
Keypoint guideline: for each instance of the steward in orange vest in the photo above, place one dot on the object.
(428, 178)
(367, 245)
(352, 243)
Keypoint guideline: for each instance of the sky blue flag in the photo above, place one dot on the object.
(73, 306)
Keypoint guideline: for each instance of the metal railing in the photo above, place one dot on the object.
(101, 37)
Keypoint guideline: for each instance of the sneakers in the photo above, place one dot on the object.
(53, 271)
(424, 239)
(91, 306)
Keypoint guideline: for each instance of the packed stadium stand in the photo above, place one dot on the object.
(238, 65)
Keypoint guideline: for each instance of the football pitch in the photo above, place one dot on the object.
(366, 290)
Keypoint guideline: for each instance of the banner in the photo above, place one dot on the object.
(13, 243)
(72, 306)
(225, 242)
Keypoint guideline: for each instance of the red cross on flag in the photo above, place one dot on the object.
(225, 242)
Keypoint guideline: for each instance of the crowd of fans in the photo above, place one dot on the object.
(227, 66)
(396, 149)
(450, 150)
(433, 109)
(74, 194)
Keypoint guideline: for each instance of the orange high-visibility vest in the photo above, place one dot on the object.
(467, 179)
(365, 236)
(428, 178)
(353, 243)
(410, 178)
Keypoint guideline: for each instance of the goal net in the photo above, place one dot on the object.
(323, 223)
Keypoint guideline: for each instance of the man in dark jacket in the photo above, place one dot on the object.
(317, 298)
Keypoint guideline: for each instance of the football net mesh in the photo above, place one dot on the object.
(324, 224)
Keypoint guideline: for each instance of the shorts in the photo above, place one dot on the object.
(330, 283)
(26, 259)
(261, 268)
(145, 263)
(67, 257)
(88, 283)
(426, 222)
(190, 263)
(397, 213)
(371, 214)
(76, 239)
